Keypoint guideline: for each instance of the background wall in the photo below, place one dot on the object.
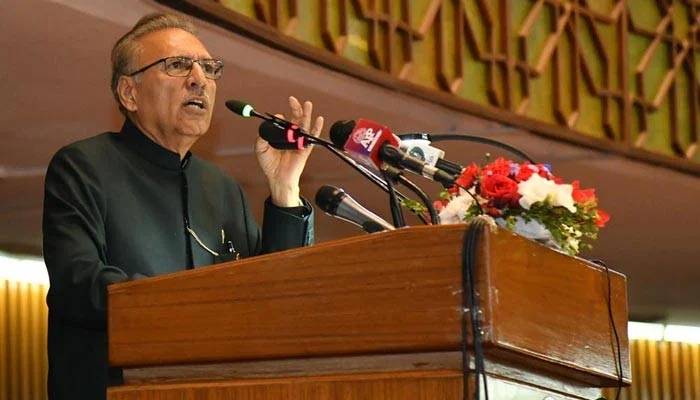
(55, 91)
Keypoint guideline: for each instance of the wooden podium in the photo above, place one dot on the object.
(371, 317)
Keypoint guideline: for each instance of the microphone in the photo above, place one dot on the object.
(372, 145)
(418, 145)
(280, 137)
(279, 133)
(335, 202)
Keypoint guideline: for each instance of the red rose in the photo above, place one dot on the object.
(602, 219)
(439, 204)
(582, 196)
(543, 171)
(468, 175)
(493, 211)
(525, 172)
(501, 190)
(498, 167)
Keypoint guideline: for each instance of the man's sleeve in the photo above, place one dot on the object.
(287, 228)
(74, 239)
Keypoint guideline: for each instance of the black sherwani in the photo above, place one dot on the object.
(118, 206)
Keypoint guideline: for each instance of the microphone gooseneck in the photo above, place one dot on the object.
(279, 133)
(272, 129)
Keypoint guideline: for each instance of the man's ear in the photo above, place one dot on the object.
(127, 91)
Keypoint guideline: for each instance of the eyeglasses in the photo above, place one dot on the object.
(182, 66)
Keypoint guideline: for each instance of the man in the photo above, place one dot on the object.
(124, 205)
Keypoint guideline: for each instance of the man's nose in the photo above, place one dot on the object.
(196, 77)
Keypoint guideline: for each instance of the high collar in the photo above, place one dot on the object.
(150, 150)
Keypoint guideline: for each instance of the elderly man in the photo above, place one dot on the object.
(134, 203)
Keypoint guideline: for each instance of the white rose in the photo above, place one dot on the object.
(455, 211)
(538, 188)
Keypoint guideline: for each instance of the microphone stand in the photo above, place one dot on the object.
(381, 183)
(246, 111)
(394, 205)
(434, 218)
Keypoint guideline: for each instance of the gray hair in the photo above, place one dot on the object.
(126, 48)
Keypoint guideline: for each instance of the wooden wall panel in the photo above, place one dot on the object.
(662, 371)
(23, 328)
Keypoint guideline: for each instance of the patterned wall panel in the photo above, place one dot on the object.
(624, 73)
(664, 75)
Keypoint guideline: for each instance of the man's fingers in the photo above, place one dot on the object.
(295, 106)
(318, 126)
(306, 118)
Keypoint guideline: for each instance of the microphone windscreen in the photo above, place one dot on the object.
(239, 107)
(328, 197)
(275, 136)
(340, 132)
(337, 203)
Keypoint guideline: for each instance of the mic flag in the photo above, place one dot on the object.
(372, 145)
(365, 142)
(421, 149)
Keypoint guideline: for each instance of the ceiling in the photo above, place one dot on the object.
(56, 90)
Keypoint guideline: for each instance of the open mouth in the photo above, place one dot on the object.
(197, 104)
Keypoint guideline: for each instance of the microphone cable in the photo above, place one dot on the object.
(470, 307)
(434, 217)
(618, 360)
(441, 137)
(394, 205)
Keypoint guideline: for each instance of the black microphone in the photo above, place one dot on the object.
(279, 133)
(414, 144)
(280, 137)
(418, 145)
(335, 202)
(243, 109)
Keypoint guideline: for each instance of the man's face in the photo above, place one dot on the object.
(164, 103)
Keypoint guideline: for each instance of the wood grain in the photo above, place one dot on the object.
(387, 293)
(443, 384)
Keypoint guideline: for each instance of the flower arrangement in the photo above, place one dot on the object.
(528, 199)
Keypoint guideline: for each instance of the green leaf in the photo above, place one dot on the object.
(414, 206)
